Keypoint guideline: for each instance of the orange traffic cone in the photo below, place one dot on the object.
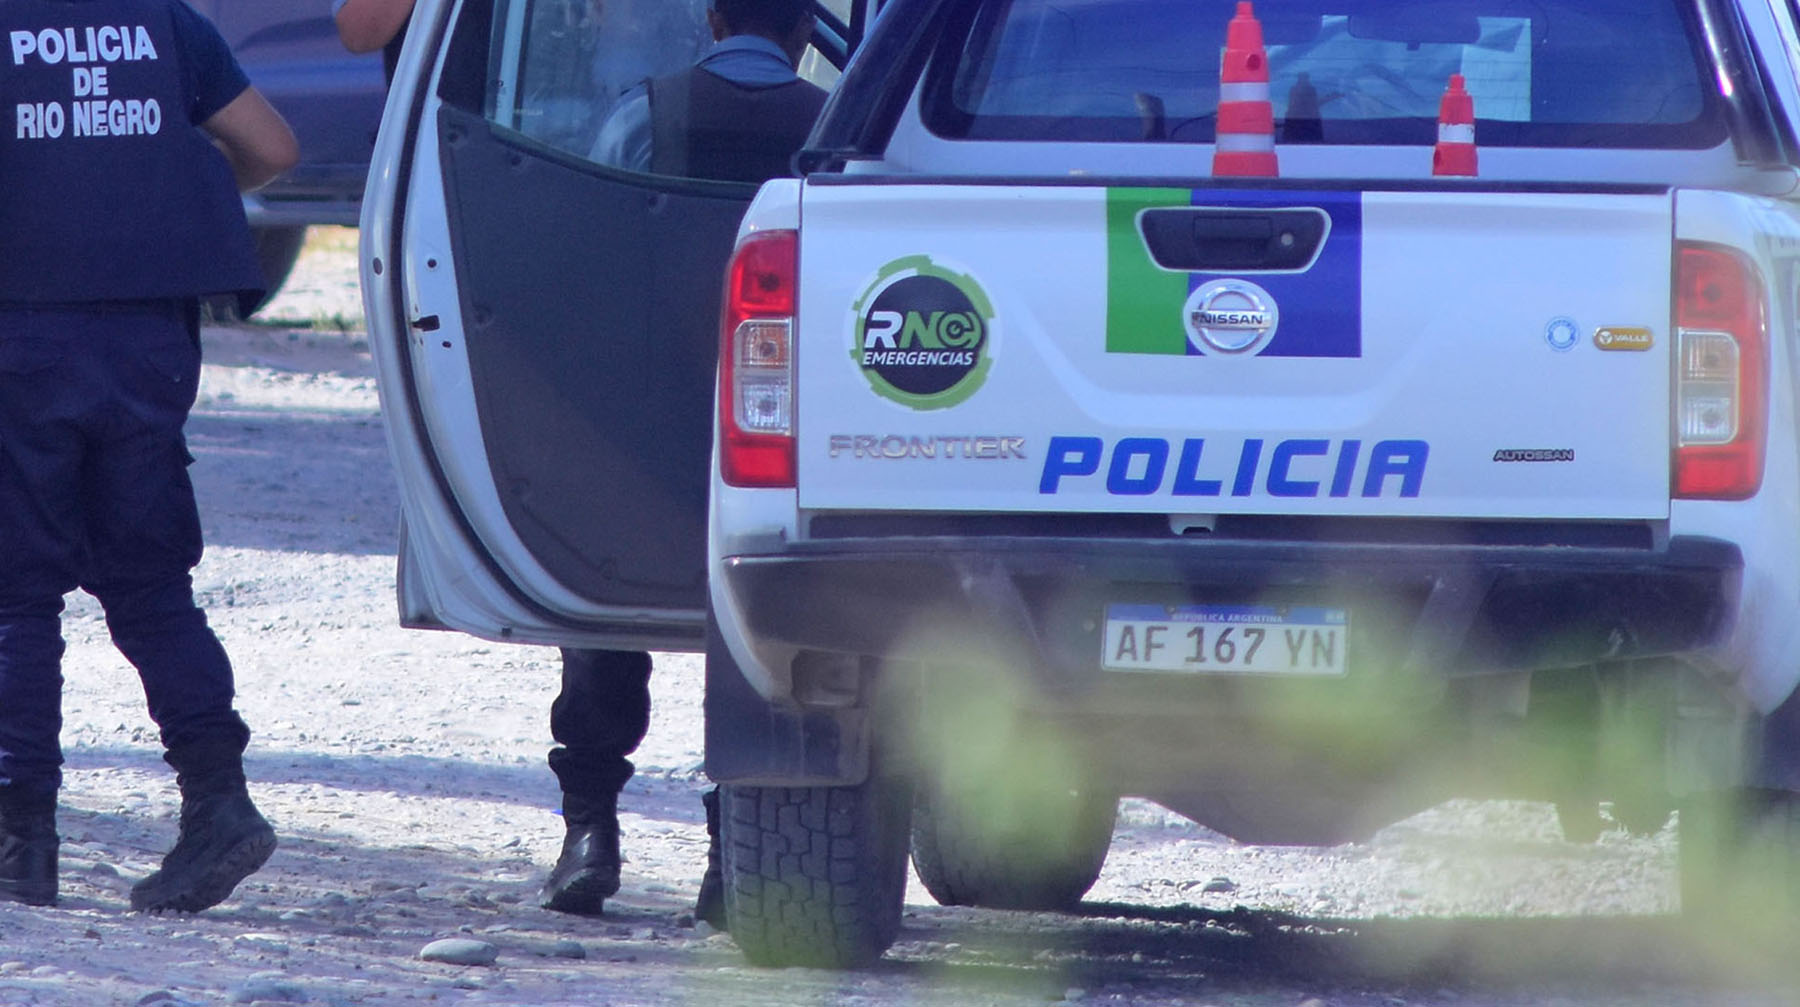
(1245, 137)
(1455, 150)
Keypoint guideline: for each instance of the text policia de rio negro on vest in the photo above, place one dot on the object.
(92, 110)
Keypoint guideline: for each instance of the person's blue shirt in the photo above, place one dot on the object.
(213, 72)
(750, 60)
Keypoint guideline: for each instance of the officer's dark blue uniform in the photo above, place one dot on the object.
(116, 214)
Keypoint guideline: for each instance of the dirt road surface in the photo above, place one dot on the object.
(405, 773)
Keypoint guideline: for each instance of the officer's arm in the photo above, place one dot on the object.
(255, 139)
(367, 25)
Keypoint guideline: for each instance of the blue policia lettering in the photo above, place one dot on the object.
(1299, 468)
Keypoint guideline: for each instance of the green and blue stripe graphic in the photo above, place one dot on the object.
(1321, 308)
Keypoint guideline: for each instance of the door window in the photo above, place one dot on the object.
(562, 68)
(561, 65)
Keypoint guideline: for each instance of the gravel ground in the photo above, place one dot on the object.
(405, 773)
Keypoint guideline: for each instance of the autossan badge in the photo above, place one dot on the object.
(922, 334)
(1232, 317)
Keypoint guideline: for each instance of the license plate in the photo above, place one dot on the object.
(1227, 639)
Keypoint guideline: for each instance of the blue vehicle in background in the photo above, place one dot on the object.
(332, 98)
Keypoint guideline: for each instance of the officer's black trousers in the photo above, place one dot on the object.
(599, 718)
(94, 493)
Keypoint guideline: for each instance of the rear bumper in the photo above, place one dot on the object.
(1414, 610)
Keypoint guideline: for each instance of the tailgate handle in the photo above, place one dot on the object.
(1215, 240)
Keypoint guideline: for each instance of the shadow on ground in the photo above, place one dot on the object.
(338, 916)
(297, 482)
(656, 797)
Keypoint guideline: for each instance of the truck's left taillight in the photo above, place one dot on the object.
(756, 354)
(1721, 374)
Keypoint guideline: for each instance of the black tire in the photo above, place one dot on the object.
(1639, 814)
(1642, 814)
(814, 876)
(277, 249)
(1580, 820)
(1038, 846)
(1740, 872)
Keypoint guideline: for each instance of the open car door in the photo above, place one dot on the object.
(544, 324)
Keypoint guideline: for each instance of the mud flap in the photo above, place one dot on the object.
(753, 741)
(1775, 748)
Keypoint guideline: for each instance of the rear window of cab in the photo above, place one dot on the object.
(1543, 73)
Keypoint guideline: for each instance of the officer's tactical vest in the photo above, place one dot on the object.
(704, 126)
(107, 189)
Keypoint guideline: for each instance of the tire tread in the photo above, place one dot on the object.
(814, 876)
(961, 866)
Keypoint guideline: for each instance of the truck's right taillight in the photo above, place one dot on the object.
(1721, 374)
(756, 353)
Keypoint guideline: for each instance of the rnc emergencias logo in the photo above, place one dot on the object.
(922, 334)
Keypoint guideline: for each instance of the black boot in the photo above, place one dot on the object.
(587, 872)
(28, 845)
(710, 906)
(223, 839)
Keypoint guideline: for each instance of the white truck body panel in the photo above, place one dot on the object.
(1762, 653)
(1478, 339)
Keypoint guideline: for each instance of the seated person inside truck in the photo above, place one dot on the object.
(738, 114)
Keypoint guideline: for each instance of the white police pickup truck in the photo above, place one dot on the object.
(1113, 406)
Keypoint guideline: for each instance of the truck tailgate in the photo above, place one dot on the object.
(1090, 349)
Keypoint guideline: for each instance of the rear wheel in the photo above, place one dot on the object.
(1011, 812)
(277, 250)
(1038, 846)
(1740, 871)
(815, 876)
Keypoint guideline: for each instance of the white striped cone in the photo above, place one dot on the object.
(1244, 143)
(1455, 150)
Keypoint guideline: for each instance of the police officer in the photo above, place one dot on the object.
(750, 112)
(603, 711)
(127, 130)
(738, 114)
